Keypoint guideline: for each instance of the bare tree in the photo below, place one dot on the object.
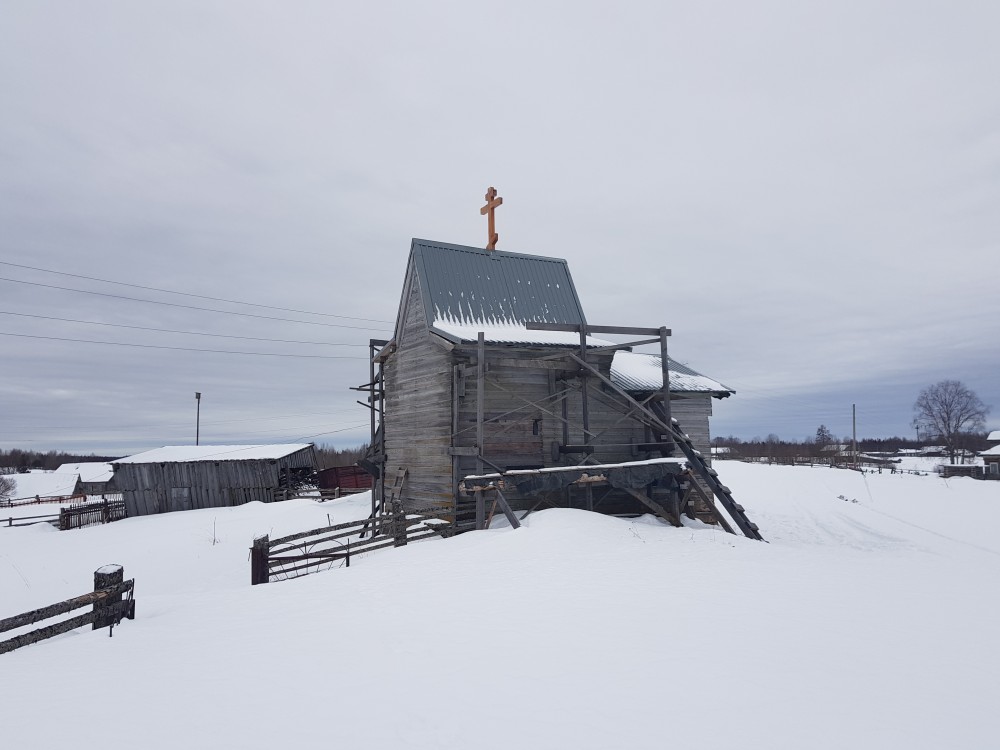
(947, 409)
(6, 488)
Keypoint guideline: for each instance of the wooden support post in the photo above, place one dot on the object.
(398, 525)
(374, 435)
(665, 393)
(258, 560)
(480, 397)
(584, 379)
(480, 511)
(105, 577)
(456, 460)
(505, 507)
(653, 506)
(710, 503)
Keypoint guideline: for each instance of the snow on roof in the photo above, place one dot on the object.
(635, 371)
(994, 451)
(994, 436)
(89, 471)
(183, 453)
(507, 332)
(43, 484)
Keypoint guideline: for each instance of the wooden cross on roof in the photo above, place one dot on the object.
(492, 201)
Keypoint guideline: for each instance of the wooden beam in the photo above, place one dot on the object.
(658, 509)
(665, 370)
(575, 328)
(708, 501)
(505, 507)
(480, 399)
(44, 613)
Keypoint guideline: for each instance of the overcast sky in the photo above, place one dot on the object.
(808, 194)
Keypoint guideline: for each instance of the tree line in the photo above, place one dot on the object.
(773, 446)
(18, 460)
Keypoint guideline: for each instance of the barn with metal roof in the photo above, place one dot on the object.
(186, 477)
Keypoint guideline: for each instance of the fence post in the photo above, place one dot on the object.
(398, 524)
(258, 560)
(108, 575)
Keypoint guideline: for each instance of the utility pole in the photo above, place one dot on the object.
(197, 419)
(854, 430)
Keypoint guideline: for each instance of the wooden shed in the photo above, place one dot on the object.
(991, 461)
(211, 476)
(495, 386)
(95, 476)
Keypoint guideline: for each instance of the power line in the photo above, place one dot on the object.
(189, 294)
(169, 425)
(331, 432)
(190, 307)
(182, 348)
(171, 330)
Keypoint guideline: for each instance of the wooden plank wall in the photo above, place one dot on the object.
(513, 442)
(418, 410)
(170, 486)
(521, 424)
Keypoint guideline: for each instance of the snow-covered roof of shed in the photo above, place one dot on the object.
(466, 290)
(638, 372)
(89, 471)
(994, 451)
(994, 436)
(185, 453)
(43, 484)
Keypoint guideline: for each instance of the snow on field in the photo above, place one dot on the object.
(43, 484)
(864, 624)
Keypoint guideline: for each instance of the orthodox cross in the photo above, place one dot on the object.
(492, 201)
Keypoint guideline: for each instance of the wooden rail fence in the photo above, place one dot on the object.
(38, 500)
(319, 495)
(323, 548)
(52, 518)
(109, 608)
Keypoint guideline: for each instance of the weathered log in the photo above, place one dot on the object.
(53, 610)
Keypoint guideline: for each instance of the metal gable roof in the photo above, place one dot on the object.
(214, 453)
(638, 372)
(472, 287)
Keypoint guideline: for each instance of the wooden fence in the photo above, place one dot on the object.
(75, 516)
(109, 608)
(91, 514)
(37, 500)
(52, 518)
(332, 546)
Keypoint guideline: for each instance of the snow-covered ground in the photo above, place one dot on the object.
(868, 621)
